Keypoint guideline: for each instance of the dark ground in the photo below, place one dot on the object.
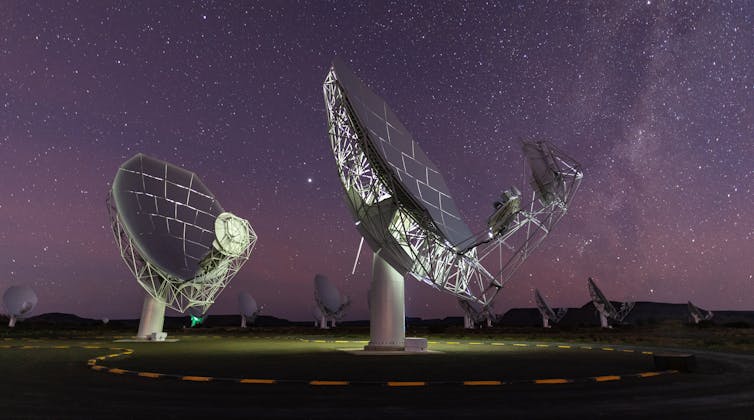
(56, 383)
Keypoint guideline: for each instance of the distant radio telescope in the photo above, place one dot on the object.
(475, 315)
(329, 302)
(18, 301)
(697, 314)
(548, 314)
(176, 239)
(605, 308)
(248, 308)
(404, 210)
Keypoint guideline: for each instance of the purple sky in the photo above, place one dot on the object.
(655, 99)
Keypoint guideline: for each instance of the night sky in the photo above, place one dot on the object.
(654, 98)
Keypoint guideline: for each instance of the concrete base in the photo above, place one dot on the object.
(158, 336)
(683, 362)
(416, 344)
(152, 317)
(381, 352)
(387, 308)
(145, 340)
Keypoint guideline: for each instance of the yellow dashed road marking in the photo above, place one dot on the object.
(197, 378)
(328, 383)
(482, 383)
(551, 381)
(406, 383)
(607, 378)
(257, 381)
(648, 374)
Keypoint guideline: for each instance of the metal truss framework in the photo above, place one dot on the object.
(474, 270)
(178, 294)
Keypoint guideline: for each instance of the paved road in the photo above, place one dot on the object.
(47, 383)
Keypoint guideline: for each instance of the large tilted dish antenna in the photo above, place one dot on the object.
(19, 301)
(605, 307)
(698, 314)
(174, 235)
(247, 305)
(403, 208)
(548, 314)
(328, 298)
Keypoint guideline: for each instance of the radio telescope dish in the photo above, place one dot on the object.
(18, 301)
(329, 301)
(248, 307)
(476, 315)
(175, 237)
(404, 210)
(697, 314)
(605, 308)
(548, 314)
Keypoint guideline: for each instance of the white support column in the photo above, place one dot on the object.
(387, 309)
(243, 321)
(468, 323)
(323, 323)
(545, 322)
(603, 321)
(152, 317)
(12, 322)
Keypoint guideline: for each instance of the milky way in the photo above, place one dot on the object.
(655, 99)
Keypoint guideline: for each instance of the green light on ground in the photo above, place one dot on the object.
(195, 320)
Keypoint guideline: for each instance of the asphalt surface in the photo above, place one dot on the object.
(43, 382)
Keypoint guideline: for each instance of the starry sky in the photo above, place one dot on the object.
(654, 98)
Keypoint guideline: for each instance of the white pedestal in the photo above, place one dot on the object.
(12, 322)
(416, 344)
(387, 308)
(152, 317)
(603, 321)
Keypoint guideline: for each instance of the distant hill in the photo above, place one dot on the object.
(643, 313)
